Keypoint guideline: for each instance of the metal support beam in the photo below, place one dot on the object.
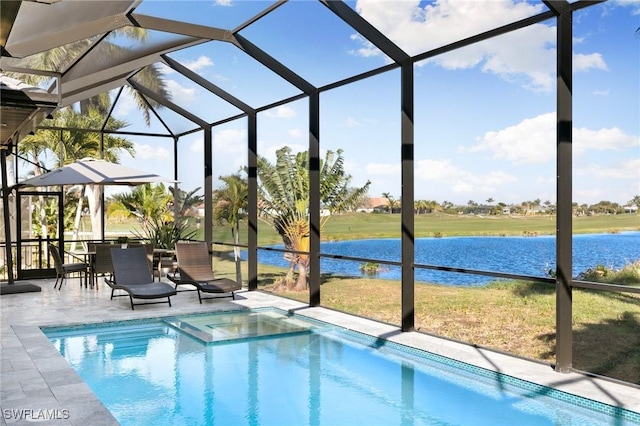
(564, 243)
(407, 223)
(173, 107)
(252, 209)
(5, 214)
(314, 200)
(368, 31)
(208, 185)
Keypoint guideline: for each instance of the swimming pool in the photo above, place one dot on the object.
(268, 367)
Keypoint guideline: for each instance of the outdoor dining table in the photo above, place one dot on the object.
(88, 257)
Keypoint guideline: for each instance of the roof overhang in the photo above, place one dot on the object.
(23, 108)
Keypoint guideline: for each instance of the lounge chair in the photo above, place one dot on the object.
(64, 269)
(194, 268)
(131, 274)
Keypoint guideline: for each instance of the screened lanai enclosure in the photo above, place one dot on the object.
(425, 106)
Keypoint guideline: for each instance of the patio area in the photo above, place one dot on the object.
(36, 377)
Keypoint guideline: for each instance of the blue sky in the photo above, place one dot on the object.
(484, 115)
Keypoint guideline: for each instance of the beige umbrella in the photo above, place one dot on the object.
(94, 172)
(89, 171)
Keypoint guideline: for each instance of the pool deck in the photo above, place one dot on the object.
(36, 381)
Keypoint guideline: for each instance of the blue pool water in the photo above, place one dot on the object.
(264, 367)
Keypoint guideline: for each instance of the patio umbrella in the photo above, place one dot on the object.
(94, 172)
(89, 171)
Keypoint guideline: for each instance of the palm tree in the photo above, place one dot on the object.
(230, 201)
(284, 199)
(146, 202)
(60, 58)
(66, 146)
(184, 201)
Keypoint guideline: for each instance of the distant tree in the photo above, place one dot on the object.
(446, 205)
(230, 204)
(391, 202)
(635, 201)
(489, 200)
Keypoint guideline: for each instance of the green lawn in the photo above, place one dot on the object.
(375, 225)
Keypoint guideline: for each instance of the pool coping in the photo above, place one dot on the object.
(37, 381)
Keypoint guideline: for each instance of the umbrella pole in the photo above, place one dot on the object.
(76, 224)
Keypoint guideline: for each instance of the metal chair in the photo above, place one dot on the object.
(195, 268)
(64, 269)
(102, 262)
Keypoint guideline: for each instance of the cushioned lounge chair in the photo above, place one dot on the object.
(194, 268)
(131, 274)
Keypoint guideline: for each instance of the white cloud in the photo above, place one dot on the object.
(126, 104)
(584, 62)
(352, 122)
(194, 65)
(145, 152)
(199, 64)
(419, 29)
(296, 133)
(225, 3)
(629, 169)
(382, 169)
(530, 141)
(533, 141)
(612, 139)
(230, 141)
(180, 93)
(460, 180)
(282, 111)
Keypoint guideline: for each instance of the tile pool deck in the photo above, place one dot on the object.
(34, 376)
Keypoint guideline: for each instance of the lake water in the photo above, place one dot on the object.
(518, 255)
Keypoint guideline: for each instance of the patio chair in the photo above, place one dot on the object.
(102, 261)
(64, 269)
(131, 274)
(194, 268)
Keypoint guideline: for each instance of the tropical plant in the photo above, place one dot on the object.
(165, 233)
(284, 202)
(229, 204)
(66, 146)
(184, 202)
(148, 203)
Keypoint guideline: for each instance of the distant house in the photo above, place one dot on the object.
(374, 204)
(631, 209)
